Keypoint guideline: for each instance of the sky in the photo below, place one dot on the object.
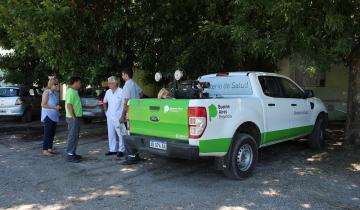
(3, 51)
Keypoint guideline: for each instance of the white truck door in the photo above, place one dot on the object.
(276, 110)
(300, 108)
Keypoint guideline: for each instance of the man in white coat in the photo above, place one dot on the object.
(113, 106)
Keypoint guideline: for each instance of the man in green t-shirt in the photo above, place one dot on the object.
(73, 114)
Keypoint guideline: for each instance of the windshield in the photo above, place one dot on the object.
(9, 92)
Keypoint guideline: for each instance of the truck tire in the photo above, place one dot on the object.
(317, 137)
(242, 157)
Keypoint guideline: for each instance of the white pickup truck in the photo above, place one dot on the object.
(244, 111)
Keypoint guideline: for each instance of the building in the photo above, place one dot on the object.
(330, 86)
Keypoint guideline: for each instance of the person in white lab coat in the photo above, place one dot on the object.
(113, 106)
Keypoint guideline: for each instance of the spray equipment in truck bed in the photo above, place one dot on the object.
(187, 89)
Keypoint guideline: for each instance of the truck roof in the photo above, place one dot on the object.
(241, 73)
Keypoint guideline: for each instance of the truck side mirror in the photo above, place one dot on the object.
(309, 93)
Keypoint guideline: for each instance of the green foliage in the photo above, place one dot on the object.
(93, 38)
(24, 69)
(324, 31)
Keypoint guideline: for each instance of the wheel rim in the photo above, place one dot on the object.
(244, 157)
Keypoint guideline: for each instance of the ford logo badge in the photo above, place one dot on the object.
(155, 118)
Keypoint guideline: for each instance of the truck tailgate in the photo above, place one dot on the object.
(159, 118)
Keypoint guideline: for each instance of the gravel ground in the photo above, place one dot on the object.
(288, 176)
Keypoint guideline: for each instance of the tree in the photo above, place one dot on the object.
(84, 38)
(93, 38)
(325, 31)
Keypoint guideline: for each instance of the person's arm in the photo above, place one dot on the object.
(70, 109)
(69, 104)
(44, 102)
(105, 106)
(123, 117)
(105, 100)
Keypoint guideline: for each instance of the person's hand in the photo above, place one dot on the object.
(122, 119)
(58, 107)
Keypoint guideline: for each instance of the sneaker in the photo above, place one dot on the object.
(110, 153)
(72, 159)
(131, 160)
(120, 154)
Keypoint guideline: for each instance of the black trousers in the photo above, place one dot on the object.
(49, 133)
(131, 152)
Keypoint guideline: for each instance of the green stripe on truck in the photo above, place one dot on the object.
(222, 145)
(271, 136)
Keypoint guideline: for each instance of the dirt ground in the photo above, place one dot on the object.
(288, 176)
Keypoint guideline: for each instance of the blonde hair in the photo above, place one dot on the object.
(51, 82)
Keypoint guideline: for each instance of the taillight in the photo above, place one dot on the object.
(197, 121)
(100, 103)
(19, 101)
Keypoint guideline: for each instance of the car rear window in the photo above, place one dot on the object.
(9, 92)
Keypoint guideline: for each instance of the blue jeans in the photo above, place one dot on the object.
(49, 133)
(73, 135)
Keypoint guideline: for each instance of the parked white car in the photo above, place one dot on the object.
(21, 102)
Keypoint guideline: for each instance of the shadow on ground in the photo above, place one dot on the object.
(288, 176)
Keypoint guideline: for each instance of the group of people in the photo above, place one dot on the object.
(115, 106)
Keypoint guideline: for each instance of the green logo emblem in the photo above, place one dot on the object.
(212, 111)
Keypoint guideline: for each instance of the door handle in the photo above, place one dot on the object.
(271, 104)
(293, 104)
(312, 105)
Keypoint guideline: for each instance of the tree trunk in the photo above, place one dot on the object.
(352, 133)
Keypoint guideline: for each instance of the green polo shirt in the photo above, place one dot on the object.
(72, 97)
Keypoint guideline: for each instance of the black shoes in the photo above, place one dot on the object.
(79, 157)
(73, 159)
(110, 153)
(120, 154)
(131, 160)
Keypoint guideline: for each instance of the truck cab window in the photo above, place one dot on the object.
(270, 86)
(290, 89)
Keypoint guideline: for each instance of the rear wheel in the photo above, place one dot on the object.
(26, 117)
(317, 137)
(242, 157)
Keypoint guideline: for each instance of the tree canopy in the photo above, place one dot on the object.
(93, 38)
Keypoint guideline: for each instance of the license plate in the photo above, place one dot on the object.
(87, 113)
(158, 144)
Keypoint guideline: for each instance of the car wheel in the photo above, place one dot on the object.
(87, 120)
(317, 137)
(26, 116)
(242, 157)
